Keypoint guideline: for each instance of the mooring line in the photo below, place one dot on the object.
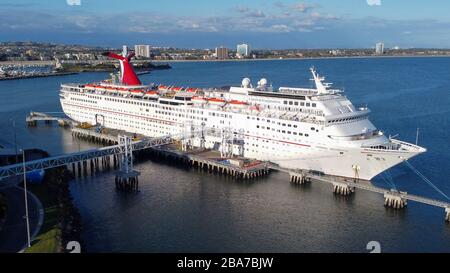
(425, 179)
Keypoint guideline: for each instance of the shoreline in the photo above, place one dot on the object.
(43, 63)
(304, 58)
(38, 76)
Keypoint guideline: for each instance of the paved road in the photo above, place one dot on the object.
(13, 236)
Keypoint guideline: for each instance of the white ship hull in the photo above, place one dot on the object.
(353, 163)
(297, 128)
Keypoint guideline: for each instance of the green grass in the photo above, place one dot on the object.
(47, 242)
(48, 239)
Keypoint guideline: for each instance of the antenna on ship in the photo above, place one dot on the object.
(320, 86)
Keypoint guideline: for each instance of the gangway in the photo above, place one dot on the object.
(66, 159)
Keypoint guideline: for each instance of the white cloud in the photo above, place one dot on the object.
(244, 20)
(279, 4)
(374, 2)
(242, 9)
(257, 13)
(280, 28)
(246, 11)
(73, 2)
(302, 7)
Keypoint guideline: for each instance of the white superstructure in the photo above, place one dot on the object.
(315, 129)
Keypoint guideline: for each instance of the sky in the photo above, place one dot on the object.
(263, 24)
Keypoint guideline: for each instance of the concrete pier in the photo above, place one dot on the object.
(210, 161)
(127, 181)
(92, 136)
(126, 178)
(34, 117)
(226, 169)
(395, 199)
(202, 159)
(299, 178)
(342, 188)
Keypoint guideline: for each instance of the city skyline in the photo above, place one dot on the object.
(261, 23)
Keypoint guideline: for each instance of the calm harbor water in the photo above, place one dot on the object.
(180, 210)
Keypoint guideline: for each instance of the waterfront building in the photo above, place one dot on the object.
(379, 48)
(124, 50)
(142, 51)
(221, 53)
(243, 50)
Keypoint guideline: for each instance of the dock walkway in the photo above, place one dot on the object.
(347, 186)
(203, 159)
(34, 117)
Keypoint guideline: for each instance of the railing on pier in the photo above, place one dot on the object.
(365, 185)
(33, 117)
(66, 159)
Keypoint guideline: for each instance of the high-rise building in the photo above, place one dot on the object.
(379, 48)
(243, 50)
(124, 50)
(142, 51)
(221, 53)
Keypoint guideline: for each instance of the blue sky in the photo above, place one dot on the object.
(206, 24)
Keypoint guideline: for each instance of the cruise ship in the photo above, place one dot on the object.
(316, 129)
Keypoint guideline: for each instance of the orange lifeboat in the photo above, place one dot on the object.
(151, 94)
(238, 104)
(192, 90)
(162, 87)
(200, 100)
(177, 88)
(137, 92)
(216, 101)
(112, 89)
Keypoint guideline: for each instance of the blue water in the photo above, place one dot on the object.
(184, 210)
